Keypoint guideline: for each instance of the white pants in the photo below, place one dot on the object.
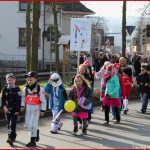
(32, 118)
(56, 124)
(125, 104)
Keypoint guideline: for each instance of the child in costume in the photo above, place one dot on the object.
(100, 75)
(111, 97)
(11, 104)
(34, 102)
(126, 85)
(81, 91)
(57, 94)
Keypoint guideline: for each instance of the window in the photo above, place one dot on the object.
(22, 37)
(23, 6)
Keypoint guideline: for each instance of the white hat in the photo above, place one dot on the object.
(107, 63)
(56, 79)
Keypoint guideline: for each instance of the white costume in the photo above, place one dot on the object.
(34, 103)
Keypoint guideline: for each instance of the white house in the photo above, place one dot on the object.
(12, 29)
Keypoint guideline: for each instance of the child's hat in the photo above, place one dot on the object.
(31, 74)
(116, 66)
(10, 75)
(87, 63)
(56, 79)
(106, 63)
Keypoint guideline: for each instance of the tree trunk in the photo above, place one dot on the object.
(28, 37)
(54, 8)
(124, 29)
(35, 36)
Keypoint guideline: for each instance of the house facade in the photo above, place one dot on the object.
(13, 24)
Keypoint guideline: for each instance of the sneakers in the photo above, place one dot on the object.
(38, 137)
(10, 141)
(75, 130)
(32, 143)
(53, 132)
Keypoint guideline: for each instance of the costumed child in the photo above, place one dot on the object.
(100, 76)
(81, 92)
(57, 97)
(111, 97)
(34, 103)
(126, 85)
(11, 104)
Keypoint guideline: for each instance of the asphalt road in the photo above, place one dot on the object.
(132, 132)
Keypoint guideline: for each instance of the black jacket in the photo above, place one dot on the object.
(11, 98)
(142, 79)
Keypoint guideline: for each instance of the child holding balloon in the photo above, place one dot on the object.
(82, 95)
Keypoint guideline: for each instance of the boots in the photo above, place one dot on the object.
(84, 131)
(32, 143)
(38, 137)
(75, 130)
(10, 141)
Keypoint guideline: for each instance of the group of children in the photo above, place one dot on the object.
(33, 100)
(115, 88)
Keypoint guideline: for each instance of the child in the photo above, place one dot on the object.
(58, 96)
(111, 97)
(126, 85)
(11, 104)
(34, 101)
(100, 75)
(81, 90)
(143, 81)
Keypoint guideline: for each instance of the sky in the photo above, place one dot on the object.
(114, 8)
(112, 11)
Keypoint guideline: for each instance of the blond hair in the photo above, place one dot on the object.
(82, 66)
(83, 79)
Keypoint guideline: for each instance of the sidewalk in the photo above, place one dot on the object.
(132, 132)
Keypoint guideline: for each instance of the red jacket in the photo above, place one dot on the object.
(126, 85)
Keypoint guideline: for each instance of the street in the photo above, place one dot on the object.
(132, 132)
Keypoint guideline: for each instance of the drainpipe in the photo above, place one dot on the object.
(43, 45)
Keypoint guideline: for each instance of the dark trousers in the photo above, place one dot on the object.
(11, 124)
(75, 122)
(116, 110)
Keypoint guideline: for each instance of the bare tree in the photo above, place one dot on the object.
(35, 36)
(55, 8)
(28, 37)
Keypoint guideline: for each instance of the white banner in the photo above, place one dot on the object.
(80, 34)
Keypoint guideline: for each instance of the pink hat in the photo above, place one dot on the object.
(87, 63)
(116, 66)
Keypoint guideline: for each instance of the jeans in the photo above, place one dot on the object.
(144, 100)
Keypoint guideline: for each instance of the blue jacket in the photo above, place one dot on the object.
(112, 87)
(61, 93)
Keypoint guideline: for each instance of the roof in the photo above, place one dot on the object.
(64, 40)
(76, 6)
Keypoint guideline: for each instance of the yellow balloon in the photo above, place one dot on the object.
(70, 106)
